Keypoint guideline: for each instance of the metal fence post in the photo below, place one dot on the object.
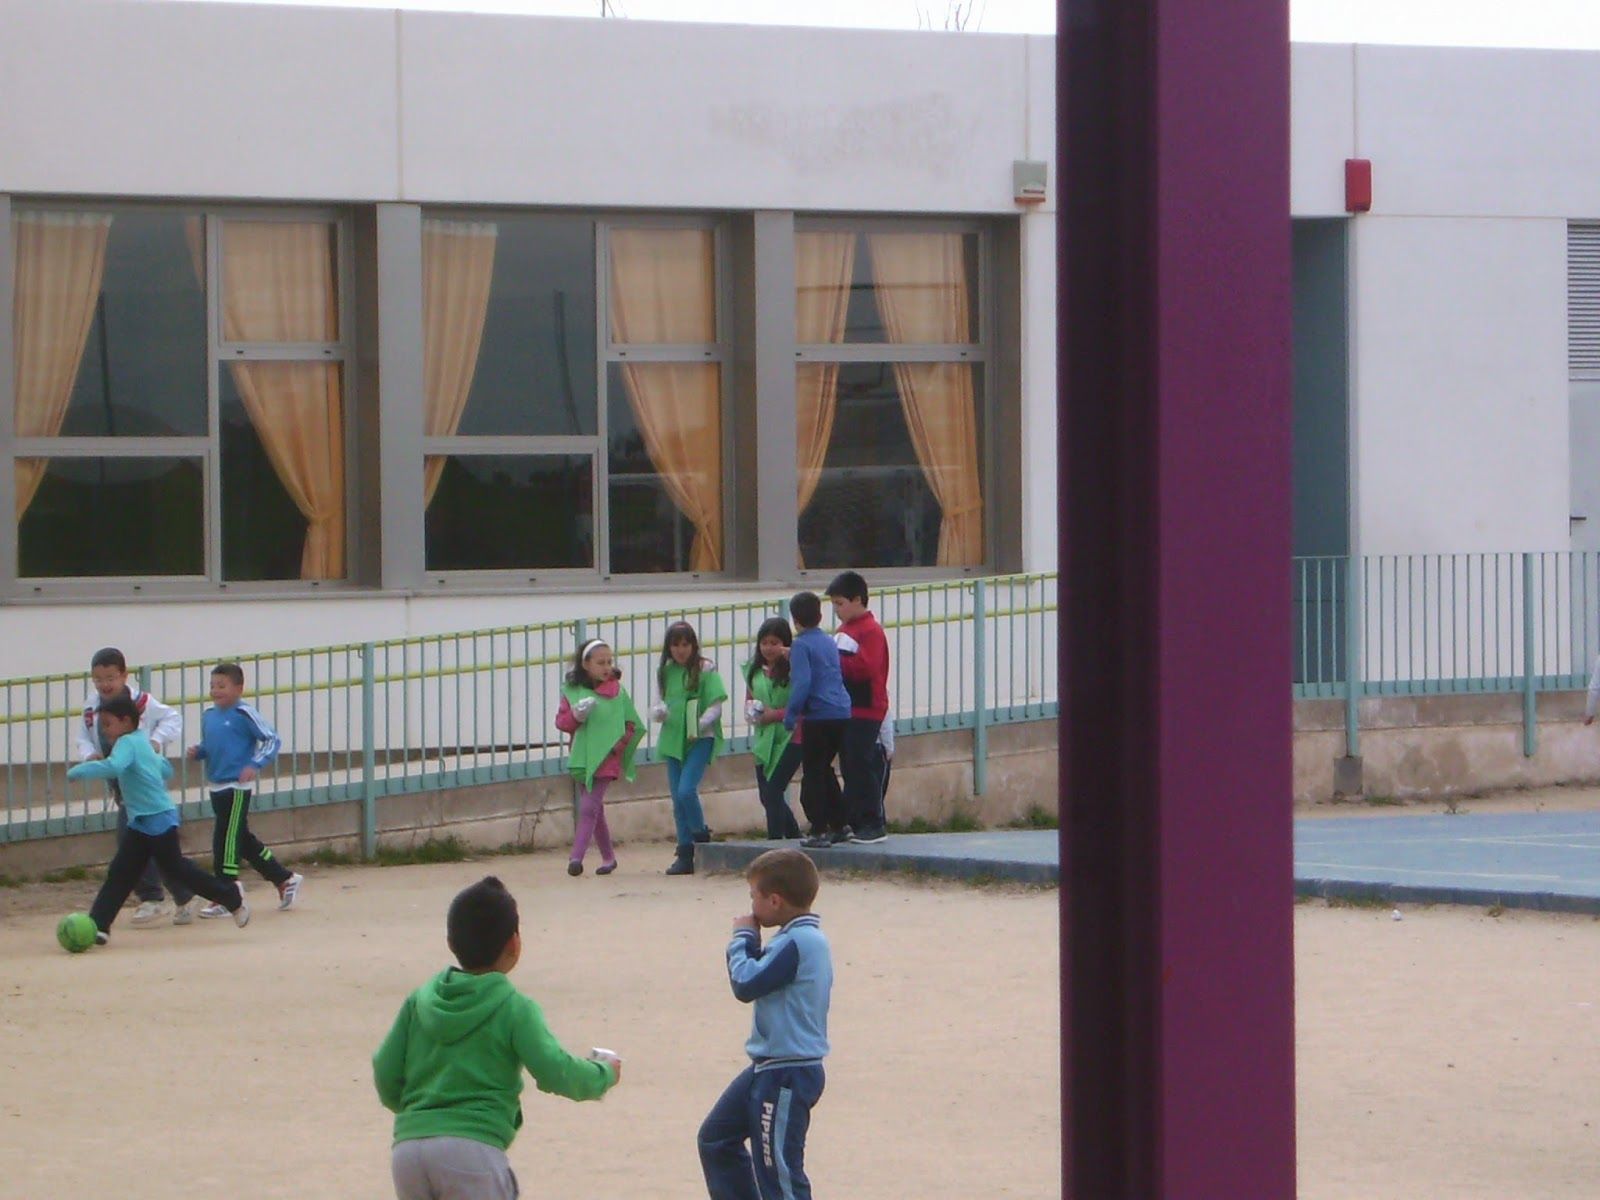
(980, 699)
(580, 635)
(1352, 656)
(1530, 716)
(369, 752)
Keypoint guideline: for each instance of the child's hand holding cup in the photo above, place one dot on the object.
(583, 708)
(611, 1058)
(658, 711)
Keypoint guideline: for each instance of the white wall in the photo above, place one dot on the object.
(1321, 127)
(1459, 327)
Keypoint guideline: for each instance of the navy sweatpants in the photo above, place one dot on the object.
(771, 1110)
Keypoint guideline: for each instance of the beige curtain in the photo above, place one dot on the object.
(920, 281)
(457, 269)
(663, 292)
(278, 285)
(823, 264)
(60, 262)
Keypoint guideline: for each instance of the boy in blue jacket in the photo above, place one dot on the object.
(817, 696)
(790, 981)
(235, 744)
(152, 832)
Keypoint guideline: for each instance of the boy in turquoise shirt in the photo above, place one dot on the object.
(451, 1068)
(141, 775)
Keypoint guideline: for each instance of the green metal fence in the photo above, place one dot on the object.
(367, 720)
(1438, 624)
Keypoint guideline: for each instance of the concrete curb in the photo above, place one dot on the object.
(886, 860)
(1406, 893)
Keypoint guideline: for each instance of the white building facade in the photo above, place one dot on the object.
(334, 325)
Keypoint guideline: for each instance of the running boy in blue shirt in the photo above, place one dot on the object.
(235, 744)
(152, 830)
(789, 981)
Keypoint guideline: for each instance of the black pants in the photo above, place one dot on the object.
(820, 797)
(780, 818)
(134, 852)
(862, 766)
(232, 842)
(148, 886)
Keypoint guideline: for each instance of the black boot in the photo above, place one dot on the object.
(683, 864)
(703, 836)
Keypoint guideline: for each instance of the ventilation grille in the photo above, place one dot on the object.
(1583, 299)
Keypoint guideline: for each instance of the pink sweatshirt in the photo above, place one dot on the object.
(568, 723)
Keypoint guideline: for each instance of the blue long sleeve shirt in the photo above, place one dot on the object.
(816, 685)
(234, 738)
(789, 981)
(142, 775)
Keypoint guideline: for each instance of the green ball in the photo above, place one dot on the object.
(76, 932)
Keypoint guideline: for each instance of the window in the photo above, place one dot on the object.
(574, 368)
(178, 373)
(890, 429)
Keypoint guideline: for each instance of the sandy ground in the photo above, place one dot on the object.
(1449, 1054)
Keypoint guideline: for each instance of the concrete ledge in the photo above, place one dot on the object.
(1016, 856)
(1361, 891)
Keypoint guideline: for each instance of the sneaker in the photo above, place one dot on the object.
(183, 914)
(574, 868)
(682, 865)
(212, 911)
(840, 837)
(101, 937)
(149, 912)
(288, 891)
(703, 836)
(606, 868)
(869, 837)
(241, 915)
(820, 841)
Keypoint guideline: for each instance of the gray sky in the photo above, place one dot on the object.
(1569, 23)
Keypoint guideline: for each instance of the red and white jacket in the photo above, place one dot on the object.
(162, 724)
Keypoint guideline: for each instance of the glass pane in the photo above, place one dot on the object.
(282, 427)
(279, 282)
(111, 516)
(143, 367)
(663, 287)
(664, 455)
(503, 512)
(876, 502)
(534, 372)
(911, 288)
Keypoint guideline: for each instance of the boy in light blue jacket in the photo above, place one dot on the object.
(152, 832)
(789, 981)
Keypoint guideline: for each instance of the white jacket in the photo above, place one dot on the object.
(161, 723)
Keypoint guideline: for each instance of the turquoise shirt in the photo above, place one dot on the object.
(142, 775)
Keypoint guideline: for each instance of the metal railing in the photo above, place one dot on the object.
(363, 721)
(1438, 624)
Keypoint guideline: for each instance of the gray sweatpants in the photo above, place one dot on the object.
(451, 1168)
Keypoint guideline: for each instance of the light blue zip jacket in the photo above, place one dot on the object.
(141, 773)
(789, 981)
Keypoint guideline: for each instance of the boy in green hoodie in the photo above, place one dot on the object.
(451, 1068)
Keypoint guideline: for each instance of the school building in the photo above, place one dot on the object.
(323, 325)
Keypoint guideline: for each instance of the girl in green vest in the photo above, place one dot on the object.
(777, 755)
(690, 712)
(598, 713)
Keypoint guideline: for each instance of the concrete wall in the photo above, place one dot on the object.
(932, 779)
(1428, 746)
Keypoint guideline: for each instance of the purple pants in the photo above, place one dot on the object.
(592, 823)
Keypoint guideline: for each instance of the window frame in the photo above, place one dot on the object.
(208, 448)
(981, 353)
(597, 445)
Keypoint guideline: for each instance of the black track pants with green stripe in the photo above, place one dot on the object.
(232, 843)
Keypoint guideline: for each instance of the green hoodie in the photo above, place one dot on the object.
(452, 1064)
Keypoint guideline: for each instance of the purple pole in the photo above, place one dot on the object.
(1176, 908)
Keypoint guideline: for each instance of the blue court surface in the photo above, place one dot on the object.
(1547, 861)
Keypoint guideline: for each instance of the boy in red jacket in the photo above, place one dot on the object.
(864, 662)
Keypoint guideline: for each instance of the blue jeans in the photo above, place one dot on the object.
(684, 780)
(771, 1110)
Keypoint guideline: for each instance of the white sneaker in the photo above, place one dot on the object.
(183, 914)
(241, 915)
(289, 891)
(149, 912)
(212, 911)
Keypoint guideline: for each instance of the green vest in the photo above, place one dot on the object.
(675, 735)
(598, 736)
(772, 740)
